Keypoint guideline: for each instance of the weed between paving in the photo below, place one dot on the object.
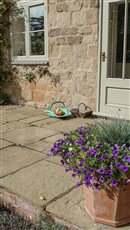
(10, 221)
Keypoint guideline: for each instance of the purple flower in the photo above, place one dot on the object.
(66, 170)
(128, 181)
(123, 146)
(67, 154)
(129, 148)
(101, 179)
(105, 155)
(72, 154)
(73, 175)
(87, 183)
(100, 145)
(79, 184)
(101, 171)
(109, 172)
(82, 148)
(114, 183)
(81, 164)
(92, 170)
(97, 186)
(85, 171)
(80, 141)
(118, 165)
(87, 131)
(126, 159)
(116, 146)
(80, 131)
(124, 168)
(78, 171)
(100, 159)
(116, 152)
(75, 170)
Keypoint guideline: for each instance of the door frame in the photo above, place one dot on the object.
(98, 94)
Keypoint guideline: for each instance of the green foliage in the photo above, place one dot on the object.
(4, 99)
(6, 70)
(30, 77)
(113, 131)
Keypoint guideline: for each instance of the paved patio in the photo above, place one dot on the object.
(33, 181)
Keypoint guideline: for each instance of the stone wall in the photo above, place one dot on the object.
(71, 74)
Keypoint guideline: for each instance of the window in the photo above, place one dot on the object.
(28, 32)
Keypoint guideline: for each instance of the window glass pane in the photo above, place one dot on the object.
(36, 14)
(116, 40)
(17, 20)
(18, 44)
(37, 43)
(127, 74)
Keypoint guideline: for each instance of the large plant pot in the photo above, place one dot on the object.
(110, 207)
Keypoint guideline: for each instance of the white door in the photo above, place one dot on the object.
(115, 66)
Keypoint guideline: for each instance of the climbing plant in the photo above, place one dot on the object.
(6, 69)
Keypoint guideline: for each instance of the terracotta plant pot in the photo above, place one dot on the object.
(110, 207)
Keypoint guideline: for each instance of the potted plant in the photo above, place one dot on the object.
(100, 156)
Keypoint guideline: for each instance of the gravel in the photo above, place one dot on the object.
(11, 221)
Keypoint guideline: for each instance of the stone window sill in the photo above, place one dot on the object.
(29, 62)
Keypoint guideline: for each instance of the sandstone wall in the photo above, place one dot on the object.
(71, 74)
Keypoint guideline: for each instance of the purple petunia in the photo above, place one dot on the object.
(87, 183)
(104, 155)
(101, 179)
(100, 145)
(72, 154)
(80, 141)
(126, 159)
(92, 170)
(85, 171)
(114, 182)
(118, 165)
(82, 148)
(109, 172)
(101, 171)
(97, 186)
(124, 168)
(79, 184)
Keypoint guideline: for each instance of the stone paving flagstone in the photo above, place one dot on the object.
(28, 135)
(4, 144)
(15, 158)
(30, 177)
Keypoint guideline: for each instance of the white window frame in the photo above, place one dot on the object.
(31, 59)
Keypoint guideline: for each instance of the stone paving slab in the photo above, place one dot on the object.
(30, 111)
(46, 121)
(10, 116)
(28, 135)
(69, 125)
(40, 180)
(71, 209)
(33, 119)
(15, 158)
(4, 143)
(7, 127)
(54, 138)
(41, 146)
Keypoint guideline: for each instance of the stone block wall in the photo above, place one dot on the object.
(71, 74)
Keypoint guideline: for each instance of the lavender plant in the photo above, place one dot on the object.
(97, 163)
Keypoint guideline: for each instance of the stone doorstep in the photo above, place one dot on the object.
(29, 211)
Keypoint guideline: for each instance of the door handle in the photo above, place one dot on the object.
(103, 54)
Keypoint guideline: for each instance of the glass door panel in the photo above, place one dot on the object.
(116, 63)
